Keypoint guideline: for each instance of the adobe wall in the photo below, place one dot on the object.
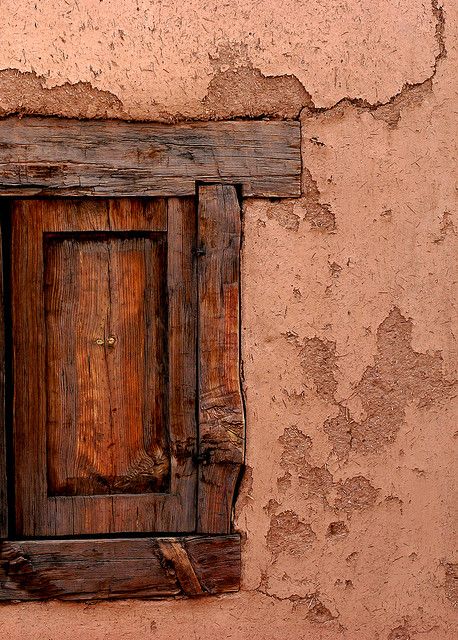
(346, 506)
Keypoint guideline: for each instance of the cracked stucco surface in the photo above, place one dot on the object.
(349, 324)
(163, 59)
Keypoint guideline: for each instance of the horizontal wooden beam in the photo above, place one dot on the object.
(59, 157)
(119, 568)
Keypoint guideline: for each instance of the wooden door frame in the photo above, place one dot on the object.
(220, 163)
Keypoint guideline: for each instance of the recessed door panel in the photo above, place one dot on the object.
(106, 363)
(103, 306)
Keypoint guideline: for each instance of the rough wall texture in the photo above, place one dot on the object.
(348, 337)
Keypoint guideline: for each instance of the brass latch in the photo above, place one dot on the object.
(110, 341)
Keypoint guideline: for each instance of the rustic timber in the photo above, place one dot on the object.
(3, 471)
(176, 475)
(182, 335)
(90, 415)
(106, 430)
(59, 157)
(119, 568)
(221, 411)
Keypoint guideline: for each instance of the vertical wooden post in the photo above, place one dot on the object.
(221, 415)
(3, 481)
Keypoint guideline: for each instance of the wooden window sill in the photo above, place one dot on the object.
(96, 569)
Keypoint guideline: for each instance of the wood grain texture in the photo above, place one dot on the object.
(221, 412)
(3, 469)
(54, 156)
(38, 512)
(119, 568)
(175, 554)
(107, 403)
(182, 332)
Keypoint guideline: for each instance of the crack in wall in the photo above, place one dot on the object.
(317, 612)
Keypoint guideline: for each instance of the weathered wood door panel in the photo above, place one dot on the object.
(106, 375)
(104, 314)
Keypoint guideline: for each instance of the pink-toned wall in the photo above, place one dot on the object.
(347, 506)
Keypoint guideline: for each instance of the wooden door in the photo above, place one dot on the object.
(103, 323)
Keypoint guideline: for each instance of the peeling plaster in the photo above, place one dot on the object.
(349, 345)
(398, 377)
(289, 534)
(80, 100)
(411, 93)
(224, 77)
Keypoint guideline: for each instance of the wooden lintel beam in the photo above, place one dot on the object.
(59, 157)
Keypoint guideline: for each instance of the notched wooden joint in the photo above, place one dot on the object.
(119, 568)
(177, 558)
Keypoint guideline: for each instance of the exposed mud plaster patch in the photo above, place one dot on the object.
(283, 214)
(319, 613)
(289, 534)
(446, 227)
(398, 377)
(319, 362)
(238, 89)
(340, 429)
(246, 92)
(438, 12)
(271, 507)
(355, 494)
(391, 112)
(315, 482)
(296, 448)
(337, 530)
(451, 582)
(411, 94)
(25, 93)
(399, 633)
(284, 482)
(394, 501)
(317, 214)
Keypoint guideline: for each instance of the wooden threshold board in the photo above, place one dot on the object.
(65, 157)
(100, 569)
